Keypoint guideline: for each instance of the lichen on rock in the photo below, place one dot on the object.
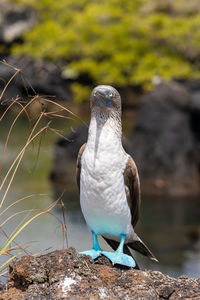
(68, 275)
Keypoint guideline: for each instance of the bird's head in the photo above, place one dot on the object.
(105, 97)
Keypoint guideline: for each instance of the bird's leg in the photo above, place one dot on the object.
(96, 250)
(118, 257)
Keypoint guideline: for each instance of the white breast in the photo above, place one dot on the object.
(102, 191)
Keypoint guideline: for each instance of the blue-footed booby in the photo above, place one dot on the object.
(108, 182)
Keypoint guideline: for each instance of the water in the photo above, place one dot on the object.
(170, 227)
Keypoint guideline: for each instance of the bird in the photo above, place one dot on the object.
(108, 182)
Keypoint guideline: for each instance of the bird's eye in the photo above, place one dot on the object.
(111, 95)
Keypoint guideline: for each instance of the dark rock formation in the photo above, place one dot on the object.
(14, 21)
(2, 287)
(166, 139)
(39, 77)
(65, 155)
(68, 275)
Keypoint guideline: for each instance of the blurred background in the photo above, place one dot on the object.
(57, 51)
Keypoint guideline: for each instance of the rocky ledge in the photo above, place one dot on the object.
(69, 275)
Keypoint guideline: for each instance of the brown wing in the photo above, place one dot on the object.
(78, 165)
(132, 183)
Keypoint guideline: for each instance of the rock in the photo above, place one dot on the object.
(166, 139)
(14, 21)
(67, 275)
(2, 287)
(65, 155)
(40, 77)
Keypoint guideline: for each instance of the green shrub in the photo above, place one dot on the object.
(119, 42)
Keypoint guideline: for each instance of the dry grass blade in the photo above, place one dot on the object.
(62, 117)
(42, 136)
(64, 225)
(24, 109)
(65, 109)
(18, 230)
(18, 160)
(7, 249)
(8, 108)
(19, 200)
(17, 246)
(64, 228)
(42, 251)
(25, 82)
(17, 70)
(5, 264)
(53, 112)
(3, 273)
(59, 134)
(16, 214)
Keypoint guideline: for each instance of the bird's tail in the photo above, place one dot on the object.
(140, 246)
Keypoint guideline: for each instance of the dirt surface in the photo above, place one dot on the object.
(69, 275)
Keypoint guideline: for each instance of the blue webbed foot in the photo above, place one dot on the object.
(120, 258)
(96, 250)
(93, 253)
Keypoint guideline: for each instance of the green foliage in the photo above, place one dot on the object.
(80, 92)
(119, 42)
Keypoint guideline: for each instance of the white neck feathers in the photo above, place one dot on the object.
(105, 127)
